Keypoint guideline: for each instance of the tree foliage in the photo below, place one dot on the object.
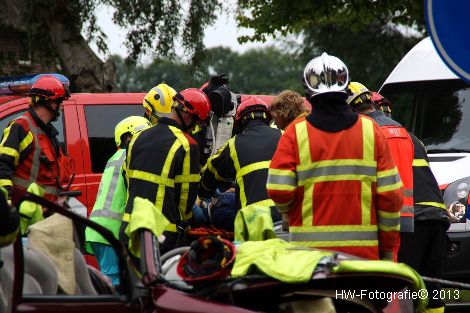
(257, 71)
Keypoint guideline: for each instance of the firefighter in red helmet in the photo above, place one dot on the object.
(163, 165)
(30, 151)
(244, 159)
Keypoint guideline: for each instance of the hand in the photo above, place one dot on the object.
(219, 80)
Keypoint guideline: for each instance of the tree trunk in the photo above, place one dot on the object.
(87, 72)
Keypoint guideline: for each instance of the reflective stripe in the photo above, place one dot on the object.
(388, 219)
(281, 180)
(407, 209)
(126, 217)
(186, 176)
(26, 142)
(239, 180)
(435, 204)
(408, 192)
(344, 243)
(165, 172)
(283, 207)
(303, 146)
(303, 143)
(10, 152)
(388, 180)
(6, 182)
(107, 213)
(252, 167)
(333, 236)
(193, 178)
(151, 178)
(6, 133)
(213, 170)
(340, 171)
(420, 162)
(368, 139)
(114, 179)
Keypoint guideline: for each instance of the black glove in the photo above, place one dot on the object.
(215, 82)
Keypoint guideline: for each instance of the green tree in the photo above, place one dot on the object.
(257, 71)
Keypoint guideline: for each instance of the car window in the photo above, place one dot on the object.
(101, 120)
(59, 125)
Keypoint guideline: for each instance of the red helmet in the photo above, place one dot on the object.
(209, 258)
(195, 102)
(50, 88)
(379, 100)
(251, 104)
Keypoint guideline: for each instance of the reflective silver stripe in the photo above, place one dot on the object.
(107, 213)
(113, 183)
(337, 170)
(388, 180)
(407, 209)
(26, 183)
(387, 221)
(282, 180)
(408, 192)
(333, 236)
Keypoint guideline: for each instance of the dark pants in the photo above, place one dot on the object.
(425, 251)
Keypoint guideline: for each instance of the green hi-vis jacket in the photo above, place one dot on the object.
(110, 200)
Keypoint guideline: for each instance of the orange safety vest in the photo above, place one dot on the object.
(402, 149)
(341, 190)
(41, 166)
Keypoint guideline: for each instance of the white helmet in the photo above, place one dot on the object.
(326, 74)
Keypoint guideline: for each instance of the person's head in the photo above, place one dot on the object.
(157, 102)
(382, 103)
(286, 107)
(47, 94)
(359, 98)
(325, 76)
(190, 107)
(252, 108)
(127, 128)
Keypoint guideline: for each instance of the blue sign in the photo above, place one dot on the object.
(448, 25)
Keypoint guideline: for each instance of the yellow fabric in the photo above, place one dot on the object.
(385, 267)
(30, 212)
(8, 239)
(144, 216)
(420, 162)
(436, 204)
(254, 222)
(54, 238)
(278, 259)
(435, 310)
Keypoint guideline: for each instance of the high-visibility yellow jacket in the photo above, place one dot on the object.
(340, 189)
(162, 165)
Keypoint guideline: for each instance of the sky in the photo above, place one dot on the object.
(223, 33)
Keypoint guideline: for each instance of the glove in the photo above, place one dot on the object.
(219, 80)
(215, 82)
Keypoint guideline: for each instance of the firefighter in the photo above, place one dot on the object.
(30, 151)
(163, 165)
(286, 107)
(157, 102)
(333, 172)
(399, 142)
(425, 249)
(244, 159)
(111, 198)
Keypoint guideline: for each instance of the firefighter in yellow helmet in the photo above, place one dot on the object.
(157, 102)
(111, 198)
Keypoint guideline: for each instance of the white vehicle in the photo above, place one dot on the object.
(432, 102)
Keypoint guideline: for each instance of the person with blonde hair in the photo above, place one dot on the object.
(286, 107)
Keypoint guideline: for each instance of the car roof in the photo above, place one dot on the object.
(421, 63)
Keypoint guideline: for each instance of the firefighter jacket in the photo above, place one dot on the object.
(29, 153)
(110, 200)
(401, 147)
(244, 159)
(340, 189)
(428, 201)
(162, 165)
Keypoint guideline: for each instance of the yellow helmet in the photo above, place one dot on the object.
(132, 125)
(357, 93)
(158, 101)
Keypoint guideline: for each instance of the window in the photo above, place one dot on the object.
(101, 120)
(59, 125)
